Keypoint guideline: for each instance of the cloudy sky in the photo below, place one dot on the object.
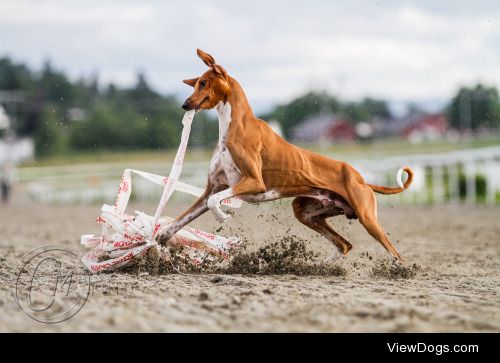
(398, 50)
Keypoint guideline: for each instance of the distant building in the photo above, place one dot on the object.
(12, 149)
(323, 128)
(4, 119)
(416, 127)
(16, 150)
(426, 128)
(364, 130)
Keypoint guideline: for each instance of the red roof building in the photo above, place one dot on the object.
(425, 128)
(323, 128)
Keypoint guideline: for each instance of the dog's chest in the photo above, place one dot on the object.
(222, 161)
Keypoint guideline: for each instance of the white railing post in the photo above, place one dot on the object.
(437, 184)
(453, 182)
(490, 183)
(422, 195)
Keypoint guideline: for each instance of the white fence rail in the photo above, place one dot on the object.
(466, 176)
(471, 176)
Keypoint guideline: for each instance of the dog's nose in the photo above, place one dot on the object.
(187, 104)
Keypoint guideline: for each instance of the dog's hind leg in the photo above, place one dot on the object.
(364, 202)
(313, 213)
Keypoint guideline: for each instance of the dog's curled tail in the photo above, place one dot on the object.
(399, 177)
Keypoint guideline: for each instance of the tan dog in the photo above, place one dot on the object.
(253, 162)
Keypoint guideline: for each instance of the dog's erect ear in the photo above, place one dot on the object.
(210, 61)
(206, 58)
(191, 82)
(220, 70)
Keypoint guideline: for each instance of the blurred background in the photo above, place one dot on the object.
(89, 88)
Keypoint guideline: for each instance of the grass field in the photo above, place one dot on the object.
(352, 150)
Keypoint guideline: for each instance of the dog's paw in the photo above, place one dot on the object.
(221, 216)
(162, 239)
(213, 203)
(164, 234)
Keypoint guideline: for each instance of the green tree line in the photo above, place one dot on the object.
(291, 114)
(64, 114)
(474, 108)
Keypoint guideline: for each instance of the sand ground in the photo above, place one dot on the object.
(457, 250)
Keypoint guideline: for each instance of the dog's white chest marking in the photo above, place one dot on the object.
(222, 159)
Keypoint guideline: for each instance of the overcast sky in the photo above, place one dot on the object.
(398, 50)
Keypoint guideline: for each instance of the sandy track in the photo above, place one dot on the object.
(456, 289)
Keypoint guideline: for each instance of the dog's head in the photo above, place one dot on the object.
(210, 88)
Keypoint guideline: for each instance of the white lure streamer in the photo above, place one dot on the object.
(125, 237)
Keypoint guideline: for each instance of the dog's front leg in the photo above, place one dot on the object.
(246, 186)
(250, 165)
(214, 204)
(197, 209)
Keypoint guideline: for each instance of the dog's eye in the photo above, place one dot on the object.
(203, 84)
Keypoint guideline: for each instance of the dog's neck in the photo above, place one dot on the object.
(238, 104)
(238, 99)
(225, 118)
(236, 110)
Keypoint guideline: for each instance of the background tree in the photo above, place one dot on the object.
(365, 110)
(476, 107)
(49, 138)
(138, 117)
(14, 76)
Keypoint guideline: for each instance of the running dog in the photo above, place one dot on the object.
(255, 164)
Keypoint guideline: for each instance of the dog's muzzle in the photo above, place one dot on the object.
(187, 105)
